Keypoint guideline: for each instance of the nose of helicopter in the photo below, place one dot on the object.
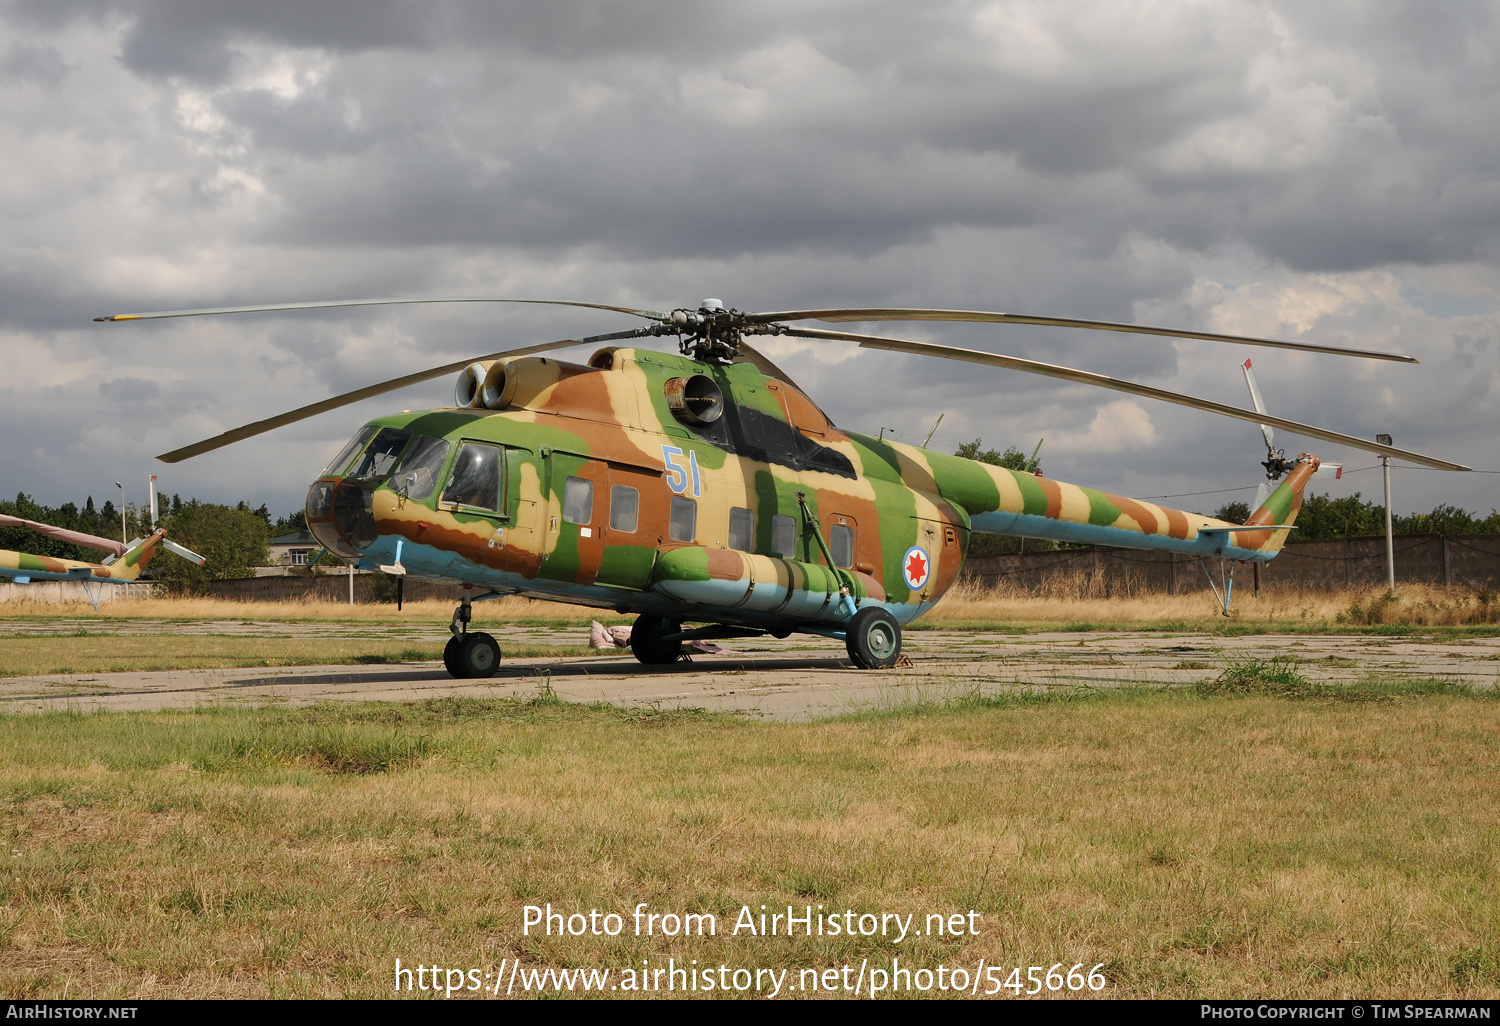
(340, 516)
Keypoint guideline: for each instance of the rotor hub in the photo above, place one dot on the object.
(711, 333)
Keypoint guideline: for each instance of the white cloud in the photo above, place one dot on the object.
(1119, 426)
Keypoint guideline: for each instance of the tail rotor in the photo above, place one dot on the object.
(1276, 462)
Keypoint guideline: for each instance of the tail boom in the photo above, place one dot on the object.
(1002, 501)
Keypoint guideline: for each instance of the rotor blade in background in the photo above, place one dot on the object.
(312, 410)
(156, 315)
(1089, 378)
(912, 314)
(88, 541)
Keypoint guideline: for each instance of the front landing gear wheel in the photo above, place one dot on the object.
(478, 655)
(873, 639)
(450, 656)
(646, 640)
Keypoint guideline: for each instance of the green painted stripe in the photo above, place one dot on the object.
(1102, 512)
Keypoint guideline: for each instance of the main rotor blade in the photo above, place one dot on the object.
(312, 410)
(1089, 378)
(913, 314)
(650, 315)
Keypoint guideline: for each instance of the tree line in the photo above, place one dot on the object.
(232, 539)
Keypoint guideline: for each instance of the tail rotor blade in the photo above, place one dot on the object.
(1261, 493)
(1260, 406)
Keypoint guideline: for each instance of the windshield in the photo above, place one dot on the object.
(420, 468)
(380, 457)
(358, 442)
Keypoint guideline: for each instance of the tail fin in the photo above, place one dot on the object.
(129, 566)
(1280, 509)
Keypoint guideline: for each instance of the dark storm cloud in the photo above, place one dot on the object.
(1097, 161)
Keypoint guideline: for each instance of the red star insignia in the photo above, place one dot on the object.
(916, 567)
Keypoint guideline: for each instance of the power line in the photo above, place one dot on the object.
(1215, 491)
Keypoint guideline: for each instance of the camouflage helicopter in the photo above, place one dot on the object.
(704, 487)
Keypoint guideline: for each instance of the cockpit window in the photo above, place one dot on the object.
(357, 443)
(476, 477)
(417, 473)
(380, 457)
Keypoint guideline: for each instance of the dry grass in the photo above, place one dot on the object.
(1197, 845)
(1067, 601)
(1082, 603)
(506, 610)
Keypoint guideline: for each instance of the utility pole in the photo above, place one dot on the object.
(1390, 545)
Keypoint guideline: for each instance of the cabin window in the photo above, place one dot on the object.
(624, 509)
(741, 529)
(683, 525)
(476, 477)
(418, 472)
(578, 500)
(356, 444)
(784, 536)
(380, 457)
(841, 545)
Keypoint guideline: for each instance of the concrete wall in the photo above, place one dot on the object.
(368, 588)
(1471, 561)
(71, 591)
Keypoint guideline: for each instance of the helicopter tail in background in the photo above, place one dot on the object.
(24, 567)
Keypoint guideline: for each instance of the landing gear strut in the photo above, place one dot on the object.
(469, 655)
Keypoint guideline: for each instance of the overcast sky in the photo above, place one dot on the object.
(1327, 172)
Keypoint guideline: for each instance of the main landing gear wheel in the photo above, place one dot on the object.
(646, 640)
(873, 639)
(472, 655)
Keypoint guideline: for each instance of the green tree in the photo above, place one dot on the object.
(233, 541)
(293, 523)
(1349, 517)
(1234, 512)
(1012, 459)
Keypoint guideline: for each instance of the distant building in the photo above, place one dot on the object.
(293, 550)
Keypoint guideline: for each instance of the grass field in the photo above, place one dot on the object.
(1249, 837)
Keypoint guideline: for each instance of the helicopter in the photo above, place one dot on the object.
(703, 487)
(124, 564)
